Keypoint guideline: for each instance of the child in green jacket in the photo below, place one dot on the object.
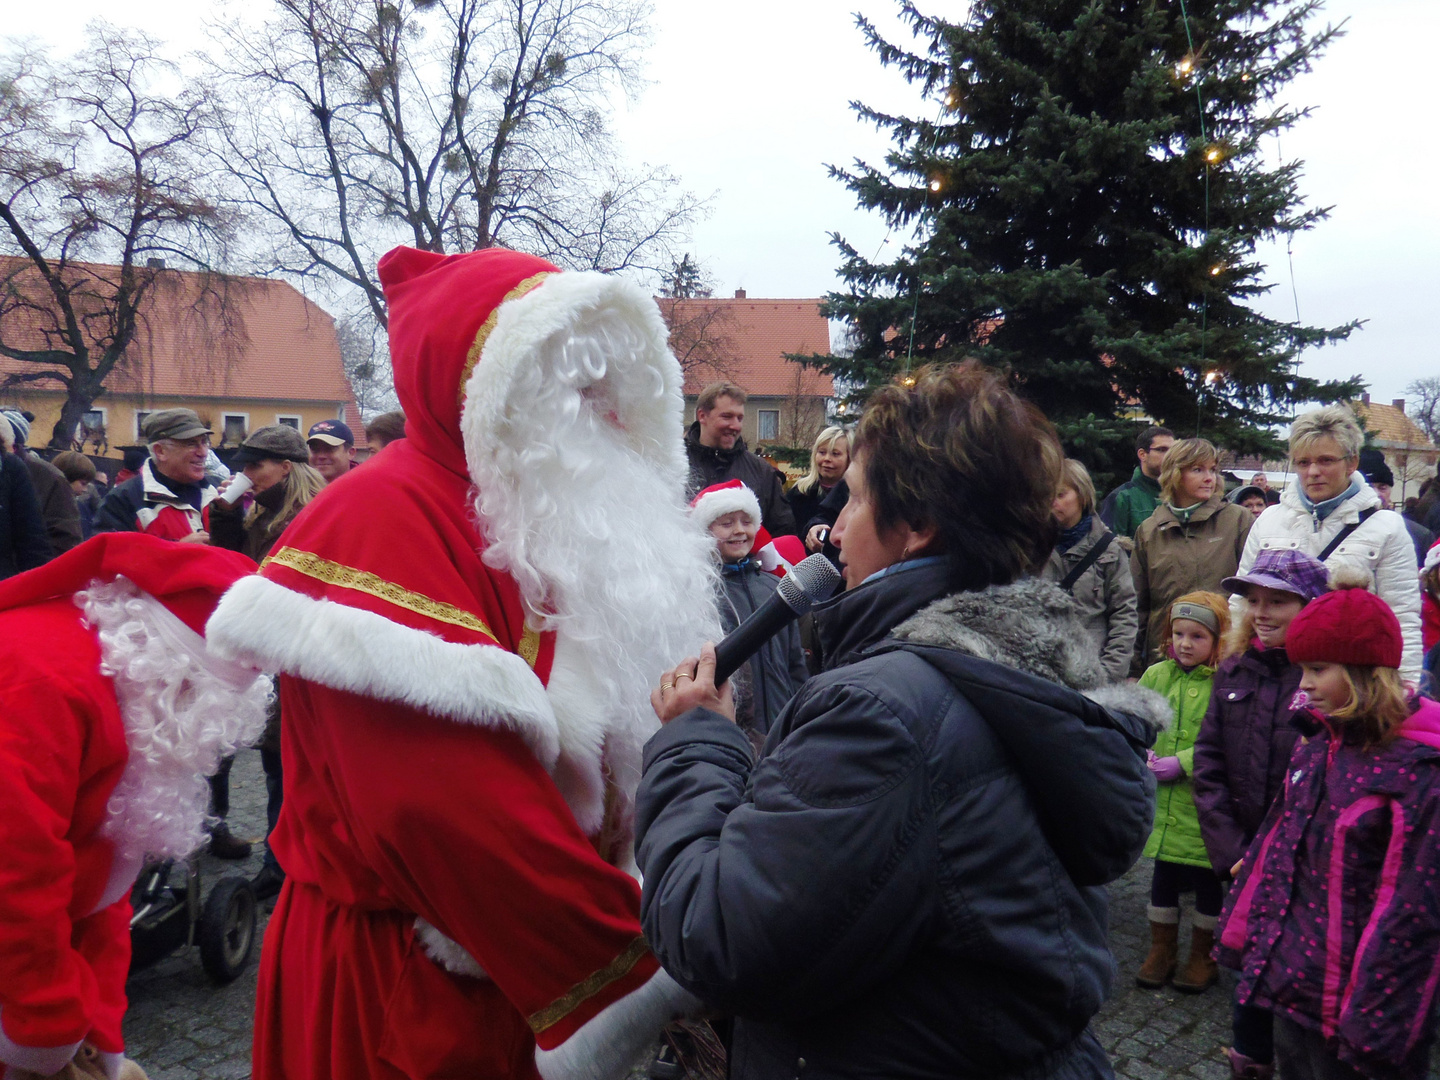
(1195, 626)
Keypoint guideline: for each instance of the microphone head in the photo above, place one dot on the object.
(811, 580)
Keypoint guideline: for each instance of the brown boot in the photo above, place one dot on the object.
(1200, 971)
(1159, 964)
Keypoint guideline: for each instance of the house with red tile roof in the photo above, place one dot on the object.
(1408, 451)
(276, 362)
(745, 340)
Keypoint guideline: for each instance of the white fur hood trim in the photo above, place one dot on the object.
(1135, 700)
(345, 648)
(558, 309)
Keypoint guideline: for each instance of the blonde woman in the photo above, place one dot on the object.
(1103, 589)
(829, 458)
(1191, 543)
(1330, 512)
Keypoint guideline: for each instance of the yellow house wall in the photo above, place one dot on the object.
(120, 425)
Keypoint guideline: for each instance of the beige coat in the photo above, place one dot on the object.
(1105, 595)
(1171, 560)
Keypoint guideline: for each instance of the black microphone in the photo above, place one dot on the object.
(808, 582)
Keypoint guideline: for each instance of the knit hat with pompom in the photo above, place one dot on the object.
(1349, 625)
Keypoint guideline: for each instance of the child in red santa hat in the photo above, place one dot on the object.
(731, 513)
(114, 712)
(1333, 923)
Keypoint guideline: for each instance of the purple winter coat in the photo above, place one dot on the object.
(1335, 918)
(1242, 750)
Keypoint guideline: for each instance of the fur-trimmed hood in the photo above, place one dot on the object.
(1032, 626)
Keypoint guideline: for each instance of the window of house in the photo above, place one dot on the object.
(288, 420)
(769, 424)
(140, 415)
(235, 426)
(91, 425)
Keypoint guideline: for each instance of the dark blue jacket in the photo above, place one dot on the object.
(23, 542)
(778, 669)
(908, 882)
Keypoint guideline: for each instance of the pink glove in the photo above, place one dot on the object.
(1166, 769)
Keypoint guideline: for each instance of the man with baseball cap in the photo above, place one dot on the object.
(332, 449)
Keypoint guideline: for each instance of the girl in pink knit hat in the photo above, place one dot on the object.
(1334, 922)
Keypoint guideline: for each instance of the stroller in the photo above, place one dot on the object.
(169, 915)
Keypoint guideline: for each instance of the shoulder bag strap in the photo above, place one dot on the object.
(1068, 581)
(1365, 515)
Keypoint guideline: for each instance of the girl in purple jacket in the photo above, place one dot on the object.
(1334, 922)
(1245, 742)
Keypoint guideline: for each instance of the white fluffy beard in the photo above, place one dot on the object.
(590, 521)
(183, 708)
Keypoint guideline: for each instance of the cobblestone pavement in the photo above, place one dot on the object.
(181, 1026)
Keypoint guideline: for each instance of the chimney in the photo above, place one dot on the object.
(154, 264)
(739, 294)
(1399, 403)
(1365, 397)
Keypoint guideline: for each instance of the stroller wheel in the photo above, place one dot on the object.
(226, 933)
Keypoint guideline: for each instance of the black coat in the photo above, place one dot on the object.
(778, 669)
(711, 465)
(23, 543)
(908, 882)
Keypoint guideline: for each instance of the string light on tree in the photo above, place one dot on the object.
(1213, 154)
(935, 184)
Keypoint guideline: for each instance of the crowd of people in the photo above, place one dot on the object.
(517, 827)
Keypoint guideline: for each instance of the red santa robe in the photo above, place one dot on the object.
(452, 822)
(69, 862)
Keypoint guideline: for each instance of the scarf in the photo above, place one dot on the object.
(1321, 510)
(1183, 516)
(1073, 535)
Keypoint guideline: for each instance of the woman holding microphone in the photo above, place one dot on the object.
(908, 881)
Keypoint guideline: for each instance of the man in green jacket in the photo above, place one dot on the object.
(1127, 507)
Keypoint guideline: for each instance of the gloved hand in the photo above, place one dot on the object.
(1166, 769)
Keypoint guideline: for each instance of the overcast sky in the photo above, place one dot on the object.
(749, 102)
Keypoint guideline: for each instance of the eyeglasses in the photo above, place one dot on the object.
(1301, 464)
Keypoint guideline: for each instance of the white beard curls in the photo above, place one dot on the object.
(591, 524)
(184, 709)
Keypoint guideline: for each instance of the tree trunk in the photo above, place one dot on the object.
(79, 398)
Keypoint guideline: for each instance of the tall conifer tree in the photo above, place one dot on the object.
(1087, 207)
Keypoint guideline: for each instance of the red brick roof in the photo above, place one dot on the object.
(755, 335)
(285, 347)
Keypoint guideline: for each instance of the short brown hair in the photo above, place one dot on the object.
(953, 446)
(1076, 477)
(387, 427)
(75, 466)
(1150, 434)
(715, 391)
(1180, 457)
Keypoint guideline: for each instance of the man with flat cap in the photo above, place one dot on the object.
(171, 495)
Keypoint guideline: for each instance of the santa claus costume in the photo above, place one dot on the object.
(468, 628)
(113, 712)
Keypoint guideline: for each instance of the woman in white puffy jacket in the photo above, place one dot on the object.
(1330, 512)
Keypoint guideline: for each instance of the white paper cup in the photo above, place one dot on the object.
(239, 484)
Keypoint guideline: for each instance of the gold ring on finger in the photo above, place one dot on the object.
(682, 675)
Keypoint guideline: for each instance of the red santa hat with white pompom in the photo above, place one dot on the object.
(776, 554)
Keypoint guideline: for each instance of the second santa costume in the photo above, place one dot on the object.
(468, 628)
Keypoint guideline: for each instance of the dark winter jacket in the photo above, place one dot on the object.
(827, 512)
(23, 543)
(57, 503)
(711, 465)
(778, 669)
(908, 881)
(805, 504)
(1243, 748)
(1129, 506)
(1333, 921)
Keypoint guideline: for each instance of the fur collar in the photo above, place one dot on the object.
(1029, 625)
(1032, 626)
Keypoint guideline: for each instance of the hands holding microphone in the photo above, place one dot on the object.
(690, 684)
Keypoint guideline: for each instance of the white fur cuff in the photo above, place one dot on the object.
(610, 1044)
(345, 648)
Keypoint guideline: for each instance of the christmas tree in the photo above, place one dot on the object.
(1086, 208)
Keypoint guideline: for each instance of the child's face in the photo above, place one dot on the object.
(1271, 612)
(1191, 642)
(1325, 686)
(734, 535)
